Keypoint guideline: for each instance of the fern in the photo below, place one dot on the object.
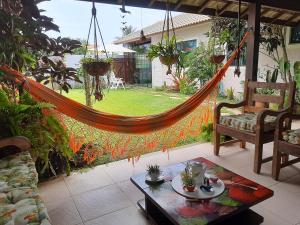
(44, 131)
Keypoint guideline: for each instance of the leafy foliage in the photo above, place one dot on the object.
(23, 41)
(46, 134)
(187, 178)
(225, 30)
(161, 49)
(207, 132)
(199, 64)
(22, 27)
(89, 59)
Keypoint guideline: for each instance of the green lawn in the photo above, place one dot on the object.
(133, 101)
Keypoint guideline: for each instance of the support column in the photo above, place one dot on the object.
(253, 41)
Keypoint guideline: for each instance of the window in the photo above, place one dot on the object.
(187, 46)
(295, 35)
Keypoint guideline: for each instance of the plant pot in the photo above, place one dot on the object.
(217, 59)
(96, 68)
(190, 188)
(168, 60)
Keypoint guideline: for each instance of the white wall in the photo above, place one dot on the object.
(264, 62)
(184, 34)
(198, 32)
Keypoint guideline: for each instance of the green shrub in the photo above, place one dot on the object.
(198, 62)
(230, 93)
(207, 132)
(47, 136)
(186, 87)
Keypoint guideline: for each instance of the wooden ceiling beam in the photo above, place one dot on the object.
(244, 13)
(200, 9)
(178, 5)
(277, 16)
(151, 3)
(203, 6)
(225, 7)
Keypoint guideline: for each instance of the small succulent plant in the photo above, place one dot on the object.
(187, 179)
(154, 171)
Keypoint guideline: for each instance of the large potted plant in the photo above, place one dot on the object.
(167, 53)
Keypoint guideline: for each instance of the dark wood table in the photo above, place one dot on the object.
(163, 205)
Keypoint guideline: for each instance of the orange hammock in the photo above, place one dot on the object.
(117, 123)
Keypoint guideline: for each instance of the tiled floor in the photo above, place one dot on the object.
(105, 196)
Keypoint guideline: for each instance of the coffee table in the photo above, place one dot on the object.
(163, 205)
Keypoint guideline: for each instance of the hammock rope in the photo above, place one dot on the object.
(117, 123)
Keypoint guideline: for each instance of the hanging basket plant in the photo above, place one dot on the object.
(166, 50)
(217, 59)
(96, 67)
(167, 53)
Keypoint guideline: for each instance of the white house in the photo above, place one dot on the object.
(190, 30)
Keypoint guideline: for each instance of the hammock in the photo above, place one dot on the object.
(117, 123)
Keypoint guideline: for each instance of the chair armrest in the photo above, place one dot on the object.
(20, 142)
(217, 111)
(267, 112)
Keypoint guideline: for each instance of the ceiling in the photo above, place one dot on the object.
(284, 12)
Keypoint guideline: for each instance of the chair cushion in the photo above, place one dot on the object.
(22, 206)
(292, 136)
(247, 122)
(17, 170)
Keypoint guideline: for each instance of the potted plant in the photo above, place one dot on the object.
(218, 46)
(167, 53)
(154, 172)
(96, 67)
(188, 181)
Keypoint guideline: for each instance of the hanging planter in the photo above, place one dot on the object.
(217, 59)
(166, 50)
(167, 53)
(95, 67)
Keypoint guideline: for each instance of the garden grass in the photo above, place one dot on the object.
(133, 101)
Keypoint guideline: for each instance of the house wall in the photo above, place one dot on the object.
(198, 32)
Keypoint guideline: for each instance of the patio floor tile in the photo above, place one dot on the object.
(99, 202)
(120, 171)
(80, 182)
(63, 212)
(127, 216)
(269, 217)
(284, 202)
(53, 190)
(104, 195)
(131, 191)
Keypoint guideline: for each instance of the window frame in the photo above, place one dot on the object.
(297, 29)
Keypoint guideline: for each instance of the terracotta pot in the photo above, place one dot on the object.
(168, 60)
(217, 59)
(190, 188)
(96, 68)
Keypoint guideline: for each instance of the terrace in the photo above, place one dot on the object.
(108, 194)
(104, 195)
